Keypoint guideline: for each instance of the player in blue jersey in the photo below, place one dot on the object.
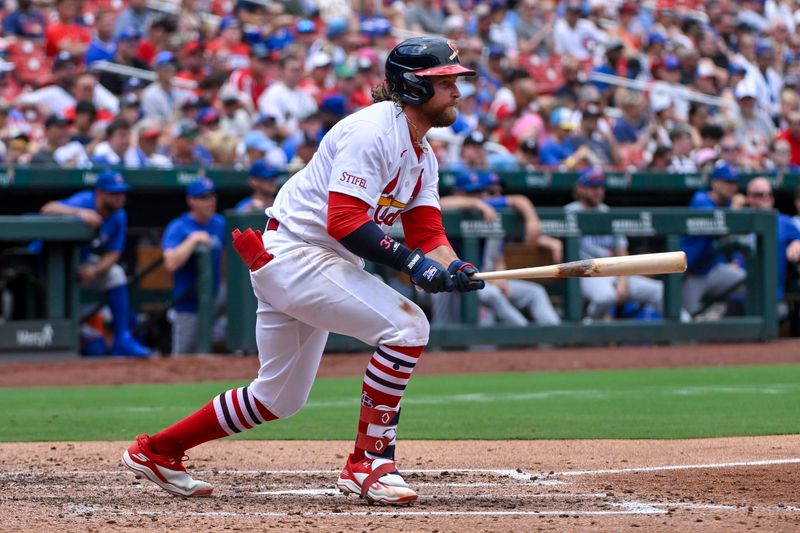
(103, 210)
(263, 180)
(759, 196)
(201, 225)
(711, 273)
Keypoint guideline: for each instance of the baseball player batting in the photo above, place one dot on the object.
(307, 273)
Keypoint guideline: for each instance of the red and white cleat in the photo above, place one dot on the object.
(375, 480)
(165, 471)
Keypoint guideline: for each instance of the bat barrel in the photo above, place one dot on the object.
(628, 265)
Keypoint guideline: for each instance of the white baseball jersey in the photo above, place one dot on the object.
(369, 155)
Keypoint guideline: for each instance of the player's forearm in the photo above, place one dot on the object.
(371, 243)
(175, 258)
(59, 209)
(107, 260)
(442, 254)
(459, 202)
(523, 206)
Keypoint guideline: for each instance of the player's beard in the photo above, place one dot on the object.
(442, 117)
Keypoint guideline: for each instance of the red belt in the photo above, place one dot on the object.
(273, 225)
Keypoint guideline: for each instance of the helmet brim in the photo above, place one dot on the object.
(445, 70)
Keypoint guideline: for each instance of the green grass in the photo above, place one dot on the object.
(674, 403)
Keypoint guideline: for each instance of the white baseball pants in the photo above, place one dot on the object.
(307, 291)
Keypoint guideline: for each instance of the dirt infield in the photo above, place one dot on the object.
(731, 484)
(737, 484)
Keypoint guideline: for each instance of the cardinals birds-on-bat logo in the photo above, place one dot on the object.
(454, 49)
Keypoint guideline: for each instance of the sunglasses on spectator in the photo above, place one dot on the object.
(206, 196)
(730, 148)
(760, 194)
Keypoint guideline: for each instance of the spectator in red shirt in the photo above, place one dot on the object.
(227, 51)
(68, 32)
(792, 135)
(252, 81)
(193, 63)
(157, 38)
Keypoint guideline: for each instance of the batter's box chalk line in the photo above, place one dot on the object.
(618, 508)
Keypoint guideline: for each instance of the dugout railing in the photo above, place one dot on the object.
(49, 277)
(158, 196)
(661, 227)
(30, 179)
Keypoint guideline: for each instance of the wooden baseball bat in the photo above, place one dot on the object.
(624, 265)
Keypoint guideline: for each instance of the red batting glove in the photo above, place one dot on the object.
(250, 248)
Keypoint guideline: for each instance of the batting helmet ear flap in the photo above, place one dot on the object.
(416, 90)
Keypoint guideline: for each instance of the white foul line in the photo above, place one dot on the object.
(626, 508)
(514, 474)
(674, 467)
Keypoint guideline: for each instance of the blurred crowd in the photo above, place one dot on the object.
(667, 85)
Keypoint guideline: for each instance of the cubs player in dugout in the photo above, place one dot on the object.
(307, 272)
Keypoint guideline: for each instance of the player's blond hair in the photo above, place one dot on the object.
(382, 93)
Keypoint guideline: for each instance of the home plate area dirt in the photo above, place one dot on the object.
(732, 484)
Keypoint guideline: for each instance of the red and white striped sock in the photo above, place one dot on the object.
(385, 381)
(231, 412)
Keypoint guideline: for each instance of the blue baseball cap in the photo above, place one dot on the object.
(375, 27)
(469, 181)
(208, 116)
(592, 177)
(262, 170)
(562, 117)
(229, 21)
(723, 171)
(335, 104)
(128, 34)
(735, 68)
(305, 26)
(133, 83)
(671, 63)
(763, 46)
(257, 140)
(200, 187)
(656, 37)
(112, 181)
(164, 58)
(336, 27)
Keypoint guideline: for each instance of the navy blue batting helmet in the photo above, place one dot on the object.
(411, 61)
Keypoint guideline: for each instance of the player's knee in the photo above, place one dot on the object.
(605, 299)
(411, 327)
(538, 291)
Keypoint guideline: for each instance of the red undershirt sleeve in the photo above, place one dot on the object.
(345, 214)
(423, 228)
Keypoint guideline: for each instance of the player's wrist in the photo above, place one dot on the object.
(408, 260)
